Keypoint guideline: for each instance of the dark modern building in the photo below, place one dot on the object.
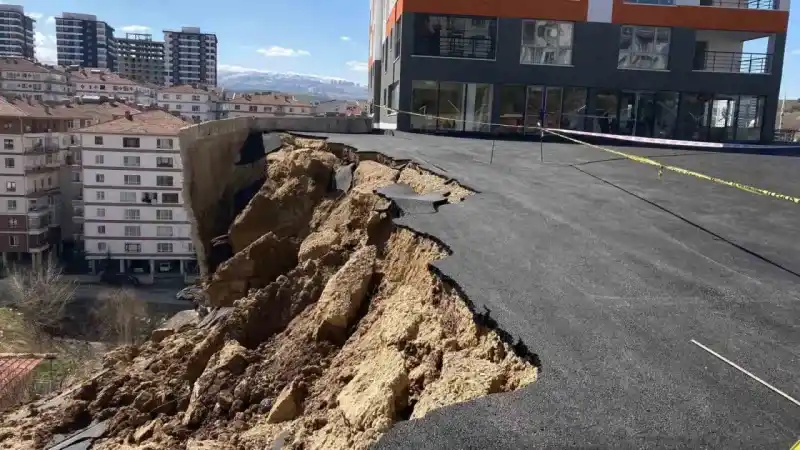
(141, 58)
(703, 70)
(84, 41)
(16, 32)
(190, 57)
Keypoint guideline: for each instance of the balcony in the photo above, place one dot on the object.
(765, 16)
(42, 145)
(741, 4)
(734, 62)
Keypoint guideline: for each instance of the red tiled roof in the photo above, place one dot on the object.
(13, 369)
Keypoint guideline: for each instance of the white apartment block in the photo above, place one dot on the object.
(133, 201)
(190, 56)
(25, 78)
(16, 32)
(101, 82)
(264, 104)
(193, 103)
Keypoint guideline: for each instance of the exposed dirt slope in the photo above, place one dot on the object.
(328, 328)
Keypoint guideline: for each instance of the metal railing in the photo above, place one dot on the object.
(741, 4)
(456, 47)
(734, 62)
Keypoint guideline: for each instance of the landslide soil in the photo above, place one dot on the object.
(330, 327)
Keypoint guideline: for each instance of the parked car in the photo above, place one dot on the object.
(119, 279)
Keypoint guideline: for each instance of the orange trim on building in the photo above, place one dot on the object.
(394, 14)
(701, 17)
(569, 10)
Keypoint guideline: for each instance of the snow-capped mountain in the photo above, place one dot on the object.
(240, 79)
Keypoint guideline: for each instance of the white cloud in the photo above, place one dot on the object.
(46, 48)
(358, 66)
(135, 29)
(51, 20)
(345, 38)
(35, 15)
(280, 51)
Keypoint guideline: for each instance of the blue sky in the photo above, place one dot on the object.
(318, 37)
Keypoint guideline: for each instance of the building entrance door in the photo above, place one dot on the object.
(637, 113)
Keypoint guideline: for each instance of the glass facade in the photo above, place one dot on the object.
(521, 109)
(451, 106)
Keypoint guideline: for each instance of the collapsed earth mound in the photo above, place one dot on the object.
(325, 328)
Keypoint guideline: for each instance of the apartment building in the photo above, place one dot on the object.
(193, 103)
(190, 57)
(84, 41)
(25, 78)
(133, 205)
(704, 70)
(16, 32)
(264, 104)
(34, 140)
(339, 108)
(102, 82)
(141, 59)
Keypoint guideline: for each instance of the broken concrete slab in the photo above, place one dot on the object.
(409, 202)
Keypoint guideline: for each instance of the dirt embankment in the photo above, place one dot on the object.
(327, 328)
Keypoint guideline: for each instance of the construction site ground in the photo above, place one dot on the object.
(608, 272)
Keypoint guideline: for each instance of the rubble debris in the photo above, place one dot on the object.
(322, 328)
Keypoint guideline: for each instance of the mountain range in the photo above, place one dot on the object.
(323, 88)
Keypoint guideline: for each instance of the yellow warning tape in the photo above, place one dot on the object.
(796, 446)
(639, 159)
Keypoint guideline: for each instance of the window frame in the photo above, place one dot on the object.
(418, 41)
(533, 47)
(629, 52)
(128, 142)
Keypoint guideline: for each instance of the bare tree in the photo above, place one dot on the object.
(41, 297)
(123, 317)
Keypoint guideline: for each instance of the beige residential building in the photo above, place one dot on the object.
(24, 78)
(194, 103)
(101, 82)
(264, 104)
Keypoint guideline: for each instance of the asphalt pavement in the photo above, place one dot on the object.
(613, 275)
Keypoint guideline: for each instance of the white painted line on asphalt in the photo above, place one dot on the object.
(774, 389)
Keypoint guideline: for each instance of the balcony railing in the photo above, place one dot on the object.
(42, 145)
(735, 4)
(456, 47)
(741, 4)
(734, 62)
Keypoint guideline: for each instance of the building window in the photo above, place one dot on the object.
(195, 98)
(12, 223)
(133, 231)
(127, 197)
(132, 214)
(237, 107)
(178, 96)
(132, 180)
(162, 231)
(101, 246)
(101, 212)
(8, 144)
(13, 241)
(101, 229)
(195, 108)
(130, 142)
(164, 247)
(11, 186)
(76, 177)
(169, 198)
(178, 106)
(166, 97)
(454, 36)
(644, 48)
(253, 108)
(99, 177)
(163, 180)
(546, 42)
(101, 195)
(163, 161)
(396, 36)
(98, 140)
(459, 106)
(98, 159)
(133, 248)
(131, 161)
(12, 205)
(9, 163)
(164, 143)
(163, 214)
